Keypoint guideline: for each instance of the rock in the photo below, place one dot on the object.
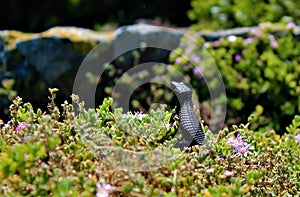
(47, 59)
(50, 53)
(160, 41)
(212, 36)
(52, 58)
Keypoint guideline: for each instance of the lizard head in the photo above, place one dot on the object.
(180, 89)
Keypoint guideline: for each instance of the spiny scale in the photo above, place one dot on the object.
(189, 122)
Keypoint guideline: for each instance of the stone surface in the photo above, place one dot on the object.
(47, 59)
(52, 58)
(159, 40)
(212, 36)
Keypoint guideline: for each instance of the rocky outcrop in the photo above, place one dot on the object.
(52, 58)
(47, 59)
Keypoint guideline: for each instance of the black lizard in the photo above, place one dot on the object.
(189, 124)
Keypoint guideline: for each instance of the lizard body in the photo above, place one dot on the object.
(189, 123)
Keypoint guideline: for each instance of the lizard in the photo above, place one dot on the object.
(190, 126)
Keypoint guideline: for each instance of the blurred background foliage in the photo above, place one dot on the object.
(220, 14)
(261, 73)
(33, 16)
(215, 14)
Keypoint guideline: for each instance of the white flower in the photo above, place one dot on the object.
(232, 38)
(103, 190)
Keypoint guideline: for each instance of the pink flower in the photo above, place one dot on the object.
(236, 141)
(291, 25)
(238, 57)
(228, 173)
(195, 58)
(248, 40)
(21, 126)
(182, 44)
(256, 32)
(241, 148)
(198, 70)
(177, 60)
(103, 190)
(297, 137)
(210, 170)
(273, 42)
(216, 43)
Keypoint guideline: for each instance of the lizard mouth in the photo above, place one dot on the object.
(173, 85)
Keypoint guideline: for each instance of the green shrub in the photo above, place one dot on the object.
(261, 73)
(47, 154)
(220, 14)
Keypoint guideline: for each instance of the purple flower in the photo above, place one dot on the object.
(274, 44)
(198, 70)
(103, 190)
(228, 173)
(21, 126)
(216, 43)
(241, 148)
(186, 66)
(248, 40)
(297, 137)
(195, 58)
(238, 57)
(177, 60)
(236, 141)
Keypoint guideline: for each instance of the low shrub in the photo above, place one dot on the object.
(53, 153)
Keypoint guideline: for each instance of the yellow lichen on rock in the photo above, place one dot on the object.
(11, 37)
(86, 38)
